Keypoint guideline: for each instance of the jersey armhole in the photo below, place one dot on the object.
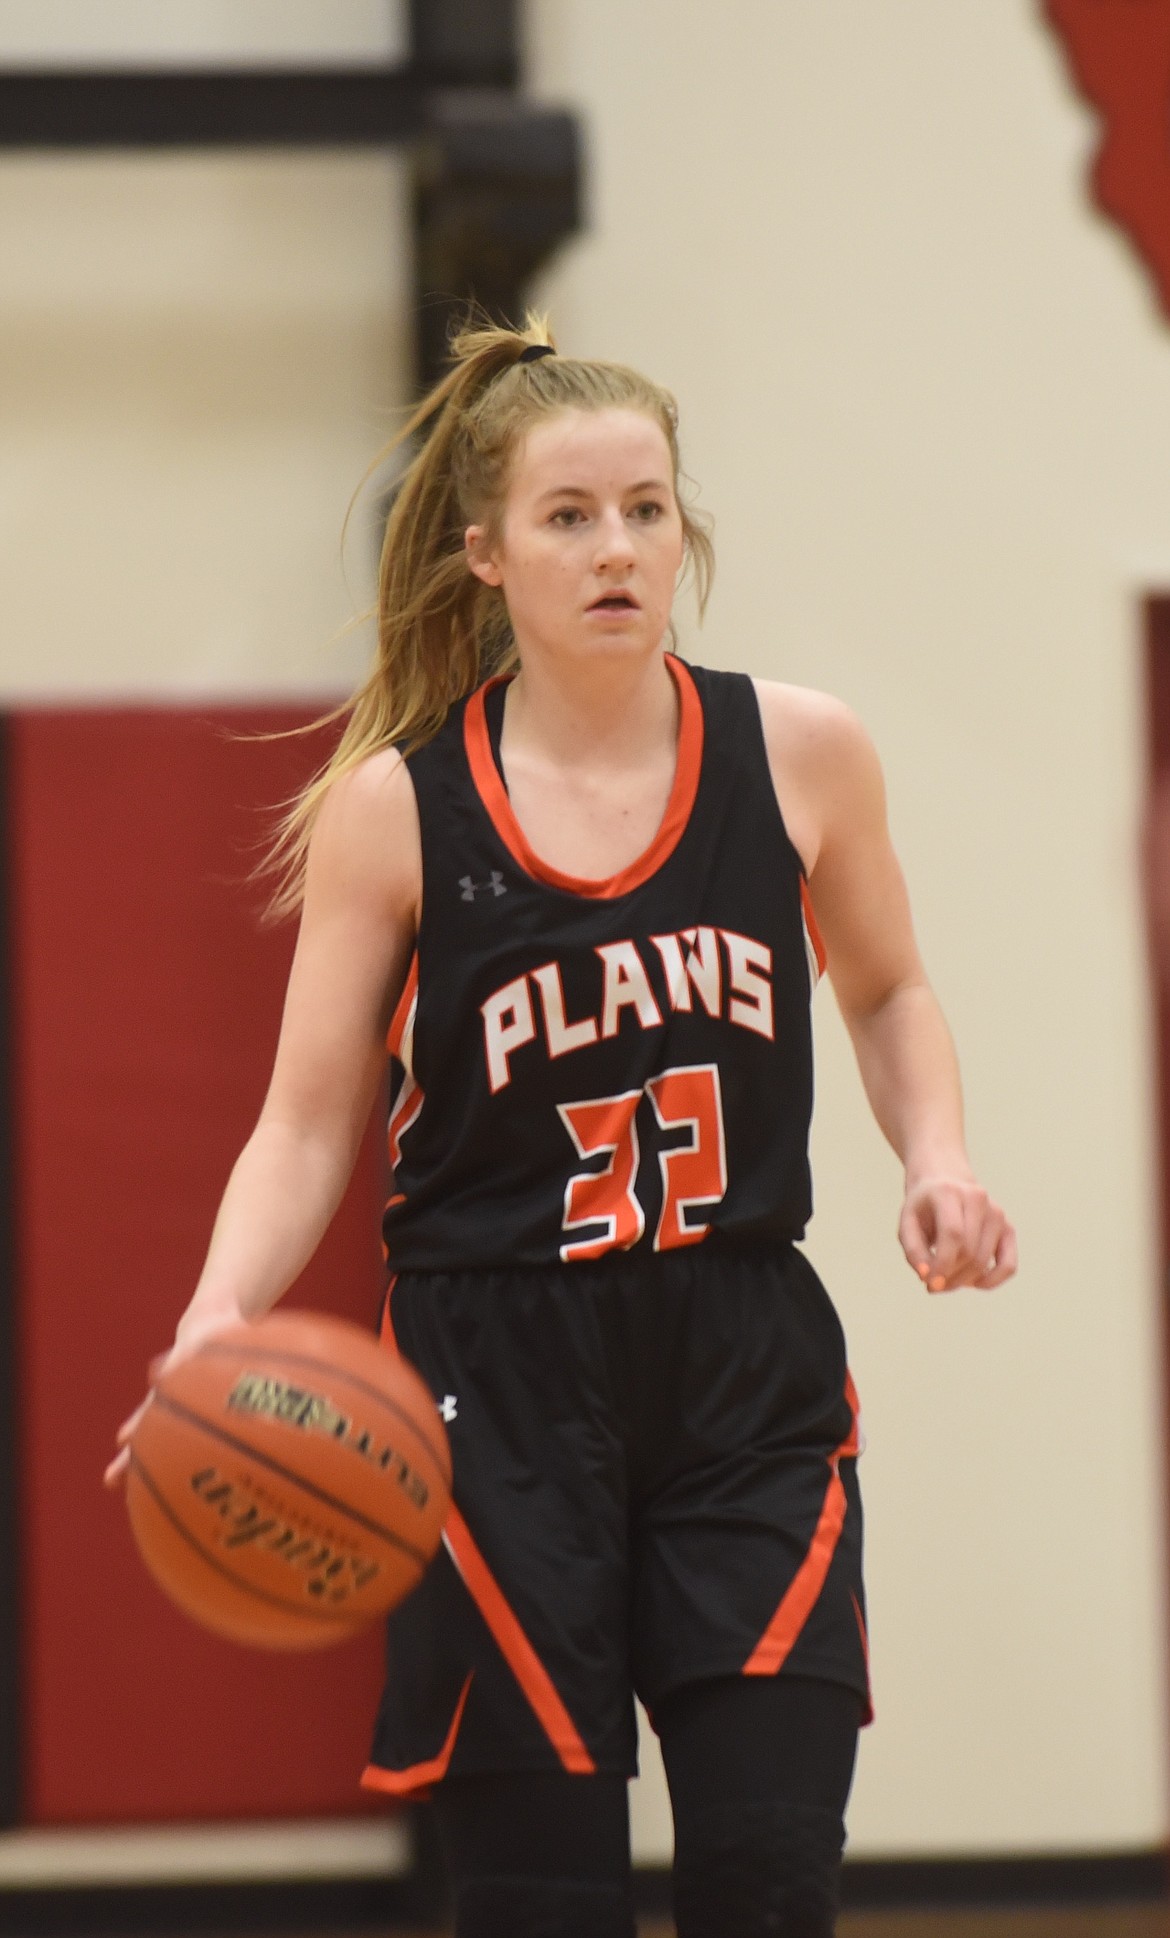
(762, 744)
(813, 939)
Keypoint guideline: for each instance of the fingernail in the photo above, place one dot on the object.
(923, 1271)
(937, 1284)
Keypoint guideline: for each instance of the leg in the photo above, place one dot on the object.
(759, 1769)
(538, 1855)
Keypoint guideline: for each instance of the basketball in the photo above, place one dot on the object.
(288, 1483)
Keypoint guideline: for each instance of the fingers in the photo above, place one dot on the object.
(129, 1427)
(183, 1349)
(934, 1233)
(953, 1239)
(915, 1240)
(1004, 1262)
(954, 1235)
(119, 1467)
(187, 1341)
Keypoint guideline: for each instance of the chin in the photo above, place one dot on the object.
(609, 645)
(639, 634)
(625, 646)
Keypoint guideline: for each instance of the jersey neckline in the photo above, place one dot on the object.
(490, 787)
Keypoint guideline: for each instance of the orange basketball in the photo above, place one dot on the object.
(289, 1482)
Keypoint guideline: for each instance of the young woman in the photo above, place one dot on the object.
(586, 898)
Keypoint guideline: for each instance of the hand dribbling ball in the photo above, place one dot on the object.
(288, 1482)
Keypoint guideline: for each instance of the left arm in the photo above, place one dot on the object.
(834, 800)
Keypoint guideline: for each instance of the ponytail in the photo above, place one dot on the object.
(441, 631)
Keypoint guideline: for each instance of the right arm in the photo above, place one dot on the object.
(363, 892)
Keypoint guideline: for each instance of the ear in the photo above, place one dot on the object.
(480, 559)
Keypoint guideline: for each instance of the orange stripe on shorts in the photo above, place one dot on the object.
(799, 1599)
(509, 1637)
(515, 1647)
(420, 1777)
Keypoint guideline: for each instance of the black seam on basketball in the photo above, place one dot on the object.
(214, 1349)
(288, 1473)
(310, 1615)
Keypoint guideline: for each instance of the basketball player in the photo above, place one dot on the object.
(587, 899)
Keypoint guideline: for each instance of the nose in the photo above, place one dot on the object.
(615, 546)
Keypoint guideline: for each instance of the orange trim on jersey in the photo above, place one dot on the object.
(515, 1647)
(799, 1599)
(860, 1626)
(397, 1030)
(813, 927)
(852, 1446)
(494, 795)
(410, 1101)
(416, 1782)
(386, 1333)
(867, 1714)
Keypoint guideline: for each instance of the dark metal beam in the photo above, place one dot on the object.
(497, 187)
(469, 43)
(454, 44)
(360, 107)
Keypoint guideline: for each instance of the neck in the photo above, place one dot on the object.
(620, 710)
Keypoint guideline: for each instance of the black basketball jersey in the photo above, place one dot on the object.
(595, 1066)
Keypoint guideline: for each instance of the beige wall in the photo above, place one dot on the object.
(928, 400)
(199, 354)
(147, 32)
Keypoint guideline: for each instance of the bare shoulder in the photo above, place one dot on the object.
(809, 727)
(824, 764)
(365, 838)
(371, 783)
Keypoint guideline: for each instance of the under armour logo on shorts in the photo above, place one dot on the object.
(493, 886)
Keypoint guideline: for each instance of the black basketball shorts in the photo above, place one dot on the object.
(655, 1483)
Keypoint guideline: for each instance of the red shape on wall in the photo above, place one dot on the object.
(1119, 51)
(147, 1000)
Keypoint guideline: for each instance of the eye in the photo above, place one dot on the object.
(566, 517)
(649, 509)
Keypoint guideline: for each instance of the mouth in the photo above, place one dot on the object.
(614, 602)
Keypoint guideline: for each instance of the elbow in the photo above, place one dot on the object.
(865, 1008)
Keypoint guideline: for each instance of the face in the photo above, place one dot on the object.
(591, 542)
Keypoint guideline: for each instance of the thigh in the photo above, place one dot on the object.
(536, 1824)
(742, 1737)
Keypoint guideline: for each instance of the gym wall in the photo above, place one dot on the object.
(927, 396)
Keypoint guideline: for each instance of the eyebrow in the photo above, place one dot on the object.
(579, 491)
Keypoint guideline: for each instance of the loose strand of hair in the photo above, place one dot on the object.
(432, 623)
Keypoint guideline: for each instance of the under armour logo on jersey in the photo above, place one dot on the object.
(493, 886)
(448, 1408)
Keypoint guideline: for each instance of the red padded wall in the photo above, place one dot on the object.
(147, 1001)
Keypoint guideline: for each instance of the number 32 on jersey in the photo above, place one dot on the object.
(686, 1099)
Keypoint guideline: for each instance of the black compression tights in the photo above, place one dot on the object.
(759, 1771)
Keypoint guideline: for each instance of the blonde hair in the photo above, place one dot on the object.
(440, 630)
